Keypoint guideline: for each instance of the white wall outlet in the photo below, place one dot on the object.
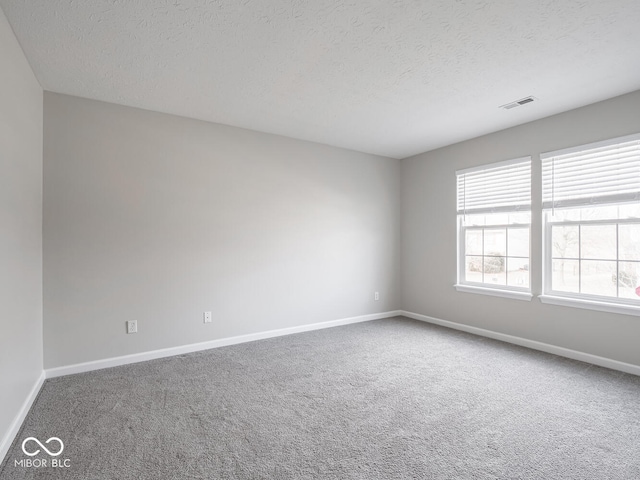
(132, 326)
(376, 296)
(207, 317)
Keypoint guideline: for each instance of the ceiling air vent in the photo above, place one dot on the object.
(517, 103)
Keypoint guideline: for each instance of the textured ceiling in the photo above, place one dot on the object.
(392, 77)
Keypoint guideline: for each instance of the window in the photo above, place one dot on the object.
(591, 203)
(494, 219)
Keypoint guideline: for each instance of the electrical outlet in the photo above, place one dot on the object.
(207, 317)
(132, 326)
(376, 296)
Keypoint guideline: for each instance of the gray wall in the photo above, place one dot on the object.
(20, 227)
(429, 235)
(157, 218)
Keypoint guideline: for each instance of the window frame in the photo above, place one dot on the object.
(579, 299)
(464, 285)
(611, 198)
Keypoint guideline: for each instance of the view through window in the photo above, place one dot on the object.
(497, 249)
(596, 251)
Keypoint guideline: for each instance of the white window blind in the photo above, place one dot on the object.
(595, 174)
(497, 187)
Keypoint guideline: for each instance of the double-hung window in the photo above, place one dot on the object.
(494, 220)
(591, 215)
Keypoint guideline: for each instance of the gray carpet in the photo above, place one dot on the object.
(389, 399)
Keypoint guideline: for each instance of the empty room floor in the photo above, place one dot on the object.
(393, 398)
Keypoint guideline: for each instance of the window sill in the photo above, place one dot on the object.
(591, 305)
(494, 292)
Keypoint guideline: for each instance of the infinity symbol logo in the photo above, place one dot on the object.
(42, 446)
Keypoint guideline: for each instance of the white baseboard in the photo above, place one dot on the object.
(524, 342)
(196, 347)
(10, 435)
